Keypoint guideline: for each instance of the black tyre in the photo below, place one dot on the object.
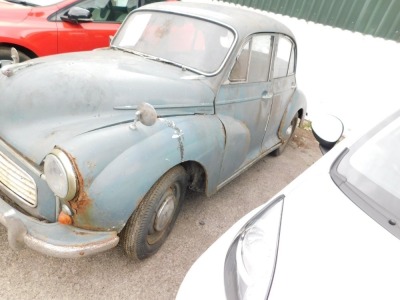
(152, 221)
(5, 54)
(292, 128)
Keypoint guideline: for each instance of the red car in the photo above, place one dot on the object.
(43, 27)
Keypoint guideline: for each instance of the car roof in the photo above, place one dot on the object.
(245, 21)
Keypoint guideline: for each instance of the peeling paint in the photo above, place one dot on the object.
(178, 134)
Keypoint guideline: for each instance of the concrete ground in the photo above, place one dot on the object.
(29, 275)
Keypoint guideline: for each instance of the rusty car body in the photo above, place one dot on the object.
(99, 147)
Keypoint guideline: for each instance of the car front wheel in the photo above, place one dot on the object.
(152, 221)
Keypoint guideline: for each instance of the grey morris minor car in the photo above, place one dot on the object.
(99, 147)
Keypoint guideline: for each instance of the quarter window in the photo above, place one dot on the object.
(241, 67)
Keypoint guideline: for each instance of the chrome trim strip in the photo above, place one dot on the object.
(166, 106)
(69, 251)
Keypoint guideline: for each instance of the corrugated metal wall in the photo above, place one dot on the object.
(379, 18)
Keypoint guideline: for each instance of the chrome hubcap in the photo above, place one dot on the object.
(165, 213)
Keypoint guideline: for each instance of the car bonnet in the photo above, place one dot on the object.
(50, 100)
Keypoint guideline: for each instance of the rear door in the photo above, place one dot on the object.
(283, 87)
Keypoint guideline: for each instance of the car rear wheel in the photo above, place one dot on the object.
(152, 221)
(291, 129)
(5, 54)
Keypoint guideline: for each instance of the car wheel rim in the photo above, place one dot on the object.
(164, 214)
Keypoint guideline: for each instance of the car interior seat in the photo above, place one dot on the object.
(102, 11)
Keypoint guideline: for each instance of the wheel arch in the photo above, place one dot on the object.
(197, 175)
(20, 48)
(297, 105)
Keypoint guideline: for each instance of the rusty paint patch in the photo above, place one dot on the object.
(81, 202)
(178, 134)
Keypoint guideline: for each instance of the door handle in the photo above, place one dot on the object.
(266, 95)
(294, 85)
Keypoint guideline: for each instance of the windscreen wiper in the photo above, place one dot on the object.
(22, 2)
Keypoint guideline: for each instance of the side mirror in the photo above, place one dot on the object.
(145, 114)
(327, 130)
(77, 15)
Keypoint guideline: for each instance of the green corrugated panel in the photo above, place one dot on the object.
(380, 18)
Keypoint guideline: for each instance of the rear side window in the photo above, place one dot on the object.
(284, 64)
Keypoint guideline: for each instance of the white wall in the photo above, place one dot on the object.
(353, 76)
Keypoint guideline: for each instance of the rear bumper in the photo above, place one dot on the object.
(53, 239)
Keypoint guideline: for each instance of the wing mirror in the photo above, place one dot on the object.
(77, 15)
(145, 114)
(327, 130)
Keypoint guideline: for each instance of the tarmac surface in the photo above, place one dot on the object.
(110, 275)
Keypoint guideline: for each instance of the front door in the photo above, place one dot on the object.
(244, 103)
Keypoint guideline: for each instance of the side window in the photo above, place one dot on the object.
(284, 60)
(109, 10)
(260, 58)
(253, 63)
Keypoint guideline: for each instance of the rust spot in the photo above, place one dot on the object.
(80, 203)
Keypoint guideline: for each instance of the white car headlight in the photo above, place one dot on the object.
(60, 174)
(251, 259)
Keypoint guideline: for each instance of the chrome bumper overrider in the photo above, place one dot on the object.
(53, 239)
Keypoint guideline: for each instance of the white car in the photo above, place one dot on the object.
(333, 233)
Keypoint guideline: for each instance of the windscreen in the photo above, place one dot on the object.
(379, 159)
(195, 43)
(368, 172)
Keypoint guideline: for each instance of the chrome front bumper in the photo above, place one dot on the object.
(53, 239)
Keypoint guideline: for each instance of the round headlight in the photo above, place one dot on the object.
(60, 174)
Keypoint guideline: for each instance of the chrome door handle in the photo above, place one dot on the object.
(266, 95)
(294, 85)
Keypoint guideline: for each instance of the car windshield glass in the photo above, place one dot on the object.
(369, 173)
(379, 159)
(199, 45)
